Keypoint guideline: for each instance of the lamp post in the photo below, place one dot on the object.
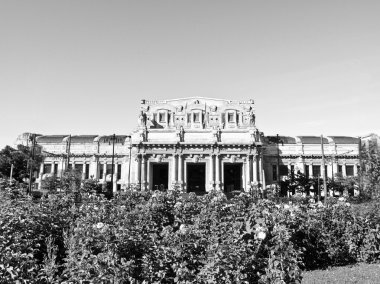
(323, 170)
(33, 140)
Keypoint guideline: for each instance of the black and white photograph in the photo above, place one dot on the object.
(189, 141)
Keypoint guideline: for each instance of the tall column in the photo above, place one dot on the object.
(148, 174)
(83, 170)
(41, 174)
(344, 170)
(174, 168)
(335, 167)
(62, 167)
(311, 174)
(143, 172)
(115, 169)
(261, 172)
(138, 171)
(254, 168)
(356, 170)
(180, 171)
(104, 171)
(211, 171)
(217, 172)
(248, 174)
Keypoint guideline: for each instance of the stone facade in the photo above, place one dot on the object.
(196, 144)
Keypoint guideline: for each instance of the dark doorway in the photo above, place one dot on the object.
(196, 177)
(160, 176)
(232, 177)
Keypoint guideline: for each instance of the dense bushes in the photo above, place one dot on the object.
(169, 238)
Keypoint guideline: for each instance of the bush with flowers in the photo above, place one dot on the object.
(169, 237)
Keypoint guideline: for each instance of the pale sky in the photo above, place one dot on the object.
(82, 67)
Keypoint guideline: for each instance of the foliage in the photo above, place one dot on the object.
(51, 183)
(91, 186)
(20, 158)
(370, 171)
(168, 237)
(71, 180)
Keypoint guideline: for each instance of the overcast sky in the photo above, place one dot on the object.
(82, 67)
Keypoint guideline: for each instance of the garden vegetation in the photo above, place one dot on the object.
(169, 237)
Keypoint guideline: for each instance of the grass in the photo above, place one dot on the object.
(360, 273)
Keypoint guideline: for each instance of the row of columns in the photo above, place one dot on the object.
(252, 171)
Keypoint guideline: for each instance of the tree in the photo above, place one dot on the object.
(21, 160)
(370, 170)
(91, 186)
(51, 183)
(71, 180)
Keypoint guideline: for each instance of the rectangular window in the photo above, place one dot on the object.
(118, 187)
(109, 169)
(101, 171)
(316, 171)
(47, 168)
(55, 169)
(274, 172)
(118, 171)
(349, 170)
(87, 173)
(162, 117)
(196, 117)
(284, 171)
(230, 117)
(307, 173)
(79, 168)
(340, 169)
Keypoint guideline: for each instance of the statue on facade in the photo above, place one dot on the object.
(217, 134)
(251, 118)
(142, 119)
(181, 134)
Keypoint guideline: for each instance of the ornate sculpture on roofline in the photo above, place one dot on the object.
(142, 119)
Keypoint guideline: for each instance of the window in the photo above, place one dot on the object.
(316, 171)
(87, 173)
(118, 171)
(161, 117)
(284, 171)
(109, 169)
(349, 170)
(307, 173)
(274, 172)
(230, 117)
(196, 117)
(79, 168)
(47, 168)
(340, 169)
(55, 169)
(188, 117)
(101, 171)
